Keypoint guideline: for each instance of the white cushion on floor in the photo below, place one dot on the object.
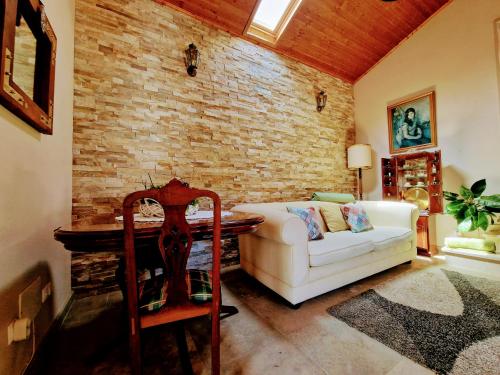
(338, 246)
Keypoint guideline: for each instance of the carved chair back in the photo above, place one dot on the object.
(174, 246)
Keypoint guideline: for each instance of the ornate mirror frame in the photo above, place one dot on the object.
(36, 111)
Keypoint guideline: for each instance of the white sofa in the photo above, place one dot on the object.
(280, 256)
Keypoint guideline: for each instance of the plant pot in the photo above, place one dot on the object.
(493, 229)
(474, 234)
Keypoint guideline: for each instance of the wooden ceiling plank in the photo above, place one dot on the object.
(352, 35)
(352, 27)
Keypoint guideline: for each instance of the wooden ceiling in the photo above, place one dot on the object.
(344, 38)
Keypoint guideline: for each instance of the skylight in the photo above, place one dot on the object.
(271, 18)
(270, 12)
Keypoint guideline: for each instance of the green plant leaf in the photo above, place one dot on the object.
(460, 214)
(471, 211)
(478, 187)
(492, 201)
(465, 225)
(466, 192)
(455, 206)
(482, 220)
(449, 196)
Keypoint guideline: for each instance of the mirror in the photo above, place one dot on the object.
(23, 72)
(28, 56)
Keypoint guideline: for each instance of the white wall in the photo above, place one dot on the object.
(454, 54)
(35, 175)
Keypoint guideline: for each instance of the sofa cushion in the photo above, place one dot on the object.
(338, 246)
(384, 237)
(333, 218)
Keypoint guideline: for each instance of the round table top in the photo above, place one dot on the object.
(84, 237)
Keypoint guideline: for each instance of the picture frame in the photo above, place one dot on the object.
(412, 123)
(27, 62)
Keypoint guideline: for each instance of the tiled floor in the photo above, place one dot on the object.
(266, 337)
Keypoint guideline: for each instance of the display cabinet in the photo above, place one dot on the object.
(415, 178)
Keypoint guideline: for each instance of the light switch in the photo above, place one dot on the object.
(30, 300)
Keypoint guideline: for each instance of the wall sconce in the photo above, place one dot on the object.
(192, 59)
(321, 100)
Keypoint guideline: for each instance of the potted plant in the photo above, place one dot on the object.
(471, 209)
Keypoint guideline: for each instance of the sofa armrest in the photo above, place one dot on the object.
(279, 226)
(395, 214)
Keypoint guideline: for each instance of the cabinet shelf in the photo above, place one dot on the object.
(409, 168)
(414, 169)
(414, 177)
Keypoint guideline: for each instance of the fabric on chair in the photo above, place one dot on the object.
(153, 288)
(309, 216)
(199, 285)
(333, 218)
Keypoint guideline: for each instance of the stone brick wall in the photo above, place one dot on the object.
(246, 126)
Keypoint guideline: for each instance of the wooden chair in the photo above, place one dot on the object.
(174, 245)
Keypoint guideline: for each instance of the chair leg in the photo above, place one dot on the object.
(180, 334)
(215, 344)
(135, 354)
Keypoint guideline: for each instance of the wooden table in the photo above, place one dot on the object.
(93, 238)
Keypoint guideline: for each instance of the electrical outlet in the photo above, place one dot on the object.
(18, 330)
(46, 291)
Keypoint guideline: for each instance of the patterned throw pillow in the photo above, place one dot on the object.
(356, 217)
(333, 218)
(308, 215)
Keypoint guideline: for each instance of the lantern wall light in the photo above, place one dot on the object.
(321, 100)
(192, 59)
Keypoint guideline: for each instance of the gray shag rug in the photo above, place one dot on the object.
(442, 319)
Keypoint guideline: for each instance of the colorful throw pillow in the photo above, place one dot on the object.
(309, 216)
(153, 288)
(356, 217)
(333, 218)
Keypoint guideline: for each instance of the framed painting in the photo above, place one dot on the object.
(412, 123)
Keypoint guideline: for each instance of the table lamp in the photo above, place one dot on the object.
(359, 157)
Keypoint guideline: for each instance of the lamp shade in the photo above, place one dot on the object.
(359, 156)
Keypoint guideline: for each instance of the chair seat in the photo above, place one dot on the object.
(170, 314)
(153, 286)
